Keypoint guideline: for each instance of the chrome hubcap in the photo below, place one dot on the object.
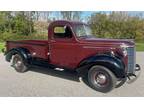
(18, 64)
(101, 79)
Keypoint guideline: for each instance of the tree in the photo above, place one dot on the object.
(23, 23)
(30, 18)
(37, 15)
(117, 25)
(5, 21)
(71, 15)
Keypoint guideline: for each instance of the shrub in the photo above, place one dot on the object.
(14, 36)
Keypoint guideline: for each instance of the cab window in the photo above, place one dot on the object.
(62, 32)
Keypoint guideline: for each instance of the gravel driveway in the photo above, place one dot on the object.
(47, 82)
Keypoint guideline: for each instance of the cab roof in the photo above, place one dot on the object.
(67, 21)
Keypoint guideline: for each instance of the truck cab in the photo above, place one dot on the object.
(71, 45)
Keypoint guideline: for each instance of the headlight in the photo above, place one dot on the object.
(124, 51)
(123, 48)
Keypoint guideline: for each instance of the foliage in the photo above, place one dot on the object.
(33, 25)
(15, 23)
(1, 46)
(117, 25)
(13, 37)
(140, 46)
(5, 21)
(23, 23)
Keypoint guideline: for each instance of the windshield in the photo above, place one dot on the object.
(83, 30)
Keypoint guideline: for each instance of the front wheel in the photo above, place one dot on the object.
(101, 79)
(18, 63)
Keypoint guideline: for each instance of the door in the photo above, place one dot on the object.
(63, 47)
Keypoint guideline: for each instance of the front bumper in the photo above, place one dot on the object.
(133, 76)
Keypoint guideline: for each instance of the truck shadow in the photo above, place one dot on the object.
(66, 74)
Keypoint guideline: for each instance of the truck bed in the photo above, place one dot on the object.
(36, 47)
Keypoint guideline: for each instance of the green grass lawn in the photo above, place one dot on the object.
(139, 46)
(1, 46)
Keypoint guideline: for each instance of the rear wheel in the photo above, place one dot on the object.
(18, 63)
(101, 79)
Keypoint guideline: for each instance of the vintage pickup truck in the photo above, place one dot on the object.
(71, 45)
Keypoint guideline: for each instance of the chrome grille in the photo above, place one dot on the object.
(131, 59)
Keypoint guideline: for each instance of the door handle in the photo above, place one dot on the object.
(53, 41)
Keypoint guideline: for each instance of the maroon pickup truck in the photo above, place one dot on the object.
(71, 45)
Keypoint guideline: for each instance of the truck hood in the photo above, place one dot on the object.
(107, 42)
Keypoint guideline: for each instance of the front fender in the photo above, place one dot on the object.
(114, 64)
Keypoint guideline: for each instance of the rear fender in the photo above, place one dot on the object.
(21, 51)
(114, 64)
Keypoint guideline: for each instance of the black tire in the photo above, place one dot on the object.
(18, 63)
(101, 79)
